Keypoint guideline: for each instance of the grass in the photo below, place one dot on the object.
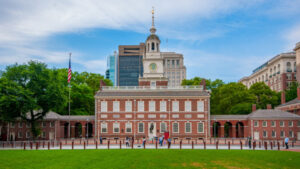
(148, 159)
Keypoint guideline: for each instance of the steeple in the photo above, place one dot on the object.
(152, 29)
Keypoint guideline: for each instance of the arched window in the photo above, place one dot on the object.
(288, 67)
(295, 68)
(152, 46)
(157, 48)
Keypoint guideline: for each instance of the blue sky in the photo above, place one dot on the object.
(219, 39)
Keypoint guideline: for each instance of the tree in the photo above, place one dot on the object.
(264, 95)
(291, 92)
(197, 80)
(40, 88)
(231, 98)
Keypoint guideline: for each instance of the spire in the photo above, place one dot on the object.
(152, 29)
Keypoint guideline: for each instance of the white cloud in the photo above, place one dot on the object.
(292, 36)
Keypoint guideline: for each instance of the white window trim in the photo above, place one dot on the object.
(200, 108)
(266, 134)
(128, 127)
(103, 116)
(173, 127)
(190, 127)
(118, 124)
(198, 127)
(139, 127)
(106, 126)
(152, 104)
(161, 108)
(12, 125)
(27, 135)
(265, 125)
(272, 133)
(19, 135)
(103, 106)
(141, 106)
(292, 134)
(52, 124)
(161, 127)
(282, 123)
(185, 106)
(162, 116)
(175, 108)
(116, 106)
(257, 122)
(44, 124)
(292, 124)
(20, 125)
(128, 106)
(175, 116)
(274, 123)
(283, 134)
(44, 136)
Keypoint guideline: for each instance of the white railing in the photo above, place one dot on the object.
(198, 87)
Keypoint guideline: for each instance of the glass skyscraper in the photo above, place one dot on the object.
(111, 72)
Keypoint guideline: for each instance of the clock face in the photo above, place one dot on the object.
(153, 66)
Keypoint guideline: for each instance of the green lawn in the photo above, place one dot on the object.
(148, 159)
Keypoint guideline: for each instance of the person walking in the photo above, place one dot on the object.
(127, 142)
(286, 141)
(169, 142)
(100, 140)
(144, 141)
(249, 141)
(160, 140)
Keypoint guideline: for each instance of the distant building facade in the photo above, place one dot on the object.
(111, 72)
(130, 64)
(278, 73)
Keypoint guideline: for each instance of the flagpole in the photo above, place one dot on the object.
(70, 99)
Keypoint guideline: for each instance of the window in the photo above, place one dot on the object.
(265, 134)
(20, 125)
(188, 116)
(200, 106)
(163, 127)
(281, 134)
(295, 68)
(288, 67)
(103, 127)
(264, 123)
(12, 125)
(291, 134)
(28, 134)
(128, 116)
(152, 116)
(141, 127)
(103, 106)
(290, 123)
(175, 115)
(200, 115)
(273, 133)
(152, 46)
(273, 123)
(44, 124)
(20, 134)
(188, 127)
(43, 134)
(104, 116)
(200, 127)
(255, 123)
(140, 116)
(163, 116)
(175, 106)
(281, 123)
(152, 106)
(175, 128)
(187, 106)
(141, 106)
(128, 127)
(116, 106)
(163, 106)
(116, 116)
(28, 125)
(116, 127)
(52, 124)
(128, 106)
(298, 124)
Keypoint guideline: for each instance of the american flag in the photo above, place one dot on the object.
(70, 71)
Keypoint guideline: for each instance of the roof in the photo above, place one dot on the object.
(152, 93)
(272, 114)
(294, 101)
(153, 37)
(228, 117)
(78, 117)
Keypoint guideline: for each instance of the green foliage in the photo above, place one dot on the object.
(264, 95)
(32, 90)
(291, 92)
(197, 80)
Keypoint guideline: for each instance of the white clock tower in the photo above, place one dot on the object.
(153, 62)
